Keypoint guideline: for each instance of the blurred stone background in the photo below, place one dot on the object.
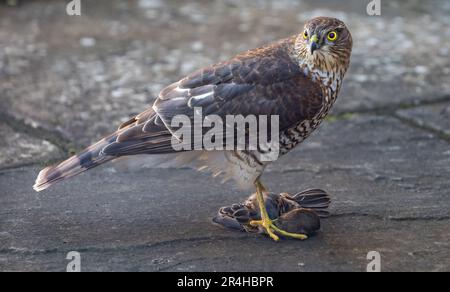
(384, 154)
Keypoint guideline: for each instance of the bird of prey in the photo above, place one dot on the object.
(297, 79)
(299, 213)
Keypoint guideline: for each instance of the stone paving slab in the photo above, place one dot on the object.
(159, 219)
(331, 251)
(435, 117)
(18, 148)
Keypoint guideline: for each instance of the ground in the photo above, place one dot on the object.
(383, 154)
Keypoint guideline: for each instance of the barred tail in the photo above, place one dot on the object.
(317, 200)
(87, 159)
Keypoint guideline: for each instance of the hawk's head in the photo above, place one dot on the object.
(325, 44)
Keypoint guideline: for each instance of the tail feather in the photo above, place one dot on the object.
(315, 199)
(87, 159)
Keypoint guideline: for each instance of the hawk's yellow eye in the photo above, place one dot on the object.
(332, 36)
(305, 35)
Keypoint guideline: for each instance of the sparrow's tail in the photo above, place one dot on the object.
(317, 200)
(87, 159)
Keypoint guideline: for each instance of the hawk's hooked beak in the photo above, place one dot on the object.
(314, 40)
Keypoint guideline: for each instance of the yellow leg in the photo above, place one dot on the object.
(266, 222)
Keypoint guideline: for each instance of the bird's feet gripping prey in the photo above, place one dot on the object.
(295, 216)
(266, 222)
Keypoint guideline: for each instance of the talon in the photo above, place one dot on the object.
(256, 223)
(266, 222)
(271, 228)
(288, 234)
(267, 227)
(273, 236)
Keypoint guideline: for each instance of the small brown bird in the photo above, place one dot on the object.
(299, 213)
(296, 79)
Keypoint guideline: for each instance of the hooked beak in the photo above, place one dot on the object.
(314, 40)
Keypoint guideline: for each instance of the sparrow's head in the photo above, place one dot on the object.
(325, 44)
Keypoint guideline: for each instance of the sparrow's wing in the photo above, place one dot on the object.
(233, 217)
(291, 218)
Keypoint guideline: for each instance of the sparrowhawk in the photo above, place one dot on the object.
(297, 79)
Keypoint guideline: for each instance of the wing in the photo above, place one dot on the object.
(265, 81)
(131, 139)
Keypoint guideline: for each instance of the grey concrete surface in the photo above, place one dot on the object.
(384, 154)
(18, 148)
(434, 117)
(389, 196)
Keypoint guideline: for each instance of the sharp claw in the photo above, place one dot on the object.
(273, 236)
(266, 222)
(292, 235)
(255, 223)
(270, 228)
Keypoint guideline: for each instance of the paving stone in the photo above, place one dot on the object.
(436, 116)
(392, 197)
(17, 148)
(335, 250)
